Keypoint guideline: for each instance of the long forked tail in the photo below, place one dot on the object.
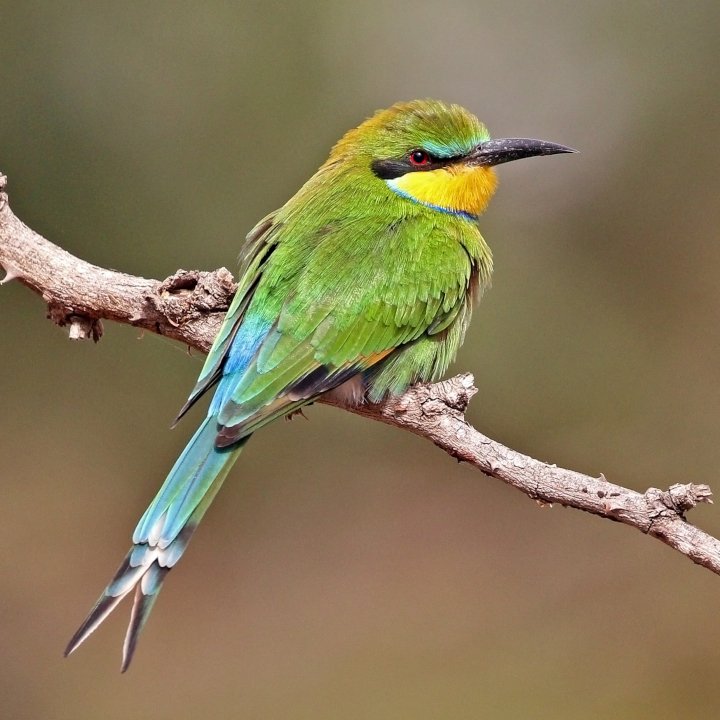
(162, 534)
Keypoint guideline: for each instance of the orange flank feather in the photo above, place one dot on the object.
(370, 360)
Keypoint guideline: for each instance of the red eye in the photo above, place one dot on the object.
(419, 157)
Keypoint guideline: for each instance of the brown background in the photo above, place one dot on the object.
(349, 570)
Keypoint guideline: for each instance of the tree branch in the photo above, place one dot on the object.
(189, 307)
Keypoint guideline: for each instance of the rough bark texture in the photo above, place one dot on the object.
(189, 307)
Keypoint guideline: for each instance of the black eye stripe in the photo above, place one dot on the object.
(391, 168)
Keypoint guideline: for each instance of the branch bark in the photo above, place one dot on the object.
(189, 307)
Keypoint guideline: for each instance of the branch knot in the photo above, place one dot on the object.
(453, 394)
(188, 295)
(676, 500)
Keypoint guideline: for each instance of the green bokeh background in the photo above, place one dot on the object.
(350, 570)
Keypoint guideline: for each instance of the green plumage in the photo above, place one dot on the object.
(353, 287)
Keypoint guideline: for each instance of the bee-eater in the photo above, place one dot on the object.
(360, 285)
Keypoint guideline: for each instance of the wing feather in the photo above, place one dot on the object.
(257, 250)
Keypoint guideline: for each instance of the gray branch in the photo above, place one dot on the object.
(189, 307)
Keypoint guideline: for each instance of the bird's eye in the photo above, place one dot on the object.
(418, 157)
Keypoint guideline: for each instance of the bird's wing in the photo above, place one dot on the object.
(325, 306)
(255, 253)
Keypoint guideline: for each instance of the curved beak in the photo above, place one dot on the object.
(496, 152)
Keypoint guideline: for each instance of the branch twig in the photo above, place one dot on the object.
(189, 307)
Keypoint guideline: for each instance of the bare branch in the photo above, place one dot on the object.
(189, 307)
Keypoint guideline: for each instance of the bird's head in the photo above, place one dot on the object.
(433, 153)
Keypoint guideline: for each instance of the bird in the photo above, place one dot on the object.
(359, 286)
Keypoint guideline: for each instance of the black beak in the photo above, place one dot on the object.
(496, 152)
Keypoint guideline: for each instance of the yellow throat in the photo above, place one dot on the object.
(457, 188)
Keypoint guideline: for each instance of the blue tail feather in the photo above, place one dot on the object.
(163, 533)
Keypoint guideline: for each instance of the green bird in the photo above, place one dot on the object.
(362, 284)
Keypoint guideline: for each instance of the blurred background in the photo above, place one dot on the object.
(350, 570)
